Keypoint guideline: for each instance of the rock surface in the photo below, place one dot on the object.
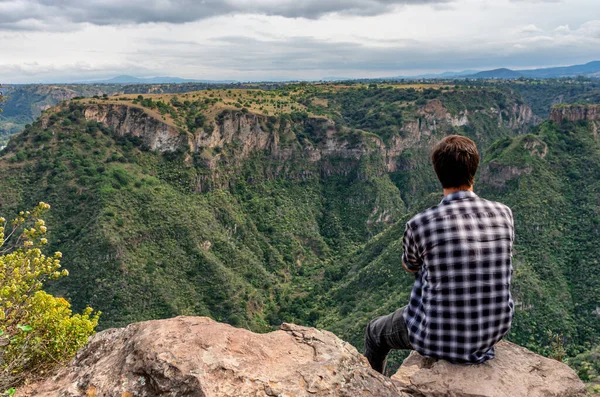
(135, 121)
(251, 132)
(575, 113)
(515, 372)
(196, 356)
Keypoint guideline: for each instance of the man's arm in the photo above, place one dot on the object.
(411, 261)
(407, 269)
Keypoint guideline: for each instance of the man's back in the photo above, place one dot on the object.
(460, 305)
(461, 250)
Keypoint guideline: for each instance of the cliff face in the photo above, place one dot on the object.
(131, 120)
(247, 131)
(196, 356)
(517, 117)
(575, 113)
(251, 133)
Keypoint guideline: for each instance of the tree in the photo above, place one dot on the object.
(37, 330)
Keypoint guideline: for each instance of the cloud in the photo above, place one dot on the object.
(331, 39)
(242, 57)
(531, 29)
(34, 72)
(40, 14)
(563, 29)
(312, 58)
(591, 29)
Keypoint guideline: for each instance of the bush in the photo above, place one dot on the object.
(37, 330)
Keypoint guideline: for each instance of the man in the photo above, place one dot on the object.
(461, 252)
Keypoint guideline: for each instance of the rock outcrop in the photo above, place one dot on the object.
(196, 356)
(514, 372)
(135, 121)
(575, 113)
(252, 133)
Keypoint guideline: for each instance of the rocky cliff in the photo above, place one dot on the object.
(282, 138)
(196, 356)
(575, 113)
(249, 132)
(135, 121)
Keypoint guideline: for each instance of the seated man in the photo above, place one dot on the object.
(461, 252)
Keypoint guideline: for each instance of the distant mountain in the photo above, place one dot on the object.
(456, 74)
(502, 73)
(445, 75)
(125, 79)
(591, 69)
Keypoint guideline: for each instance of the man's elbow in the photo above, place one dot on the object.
(407, 269)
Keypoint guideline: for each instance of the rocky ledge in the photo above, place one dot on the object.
(196, 356)
(575, 113)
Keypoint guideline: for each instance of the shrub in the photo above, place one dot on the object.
(37, 330)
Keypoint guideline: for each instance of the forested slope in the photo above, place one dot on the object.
(256, 207)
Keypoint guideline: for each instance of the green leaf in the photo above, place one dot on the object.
(24, 328)
(10, 392)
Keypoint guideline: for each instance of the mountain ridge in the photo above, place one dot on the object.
(127, 79)
(590, 69)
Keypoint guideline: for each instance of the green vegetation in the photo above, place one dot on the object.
(24, 103)
(541, 95)
(149, 246)
(37, 330)
(309, 231)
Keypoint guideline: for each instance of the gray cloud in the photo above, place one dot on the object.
(247, 58)
(304, 56)
(447, 35)
(39, 14)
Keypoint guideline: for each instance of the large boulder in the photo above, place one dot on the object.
(196, 356)
(515, 372)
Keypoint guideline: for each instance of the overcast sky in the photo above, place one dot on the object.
(60, 40)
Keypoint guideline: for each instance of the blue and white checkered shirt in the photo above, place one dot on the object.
(460, 305)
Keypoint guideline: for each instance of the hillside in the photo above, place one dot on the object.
(256, 207)
(25, 103)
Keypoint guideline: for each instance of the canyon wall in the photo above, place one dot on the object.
(575, 113)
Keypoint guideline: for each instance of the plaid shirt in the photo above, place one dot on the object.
(460, 305)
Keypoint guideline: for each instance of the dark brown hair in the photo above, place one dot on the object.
(455, 160)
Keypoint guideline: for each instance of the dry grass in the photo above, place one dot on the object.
(256, 101)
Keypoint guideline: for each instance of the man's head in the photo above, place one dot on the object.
(455, 160)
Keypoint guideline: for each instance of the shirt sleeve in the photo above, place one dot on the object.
(410, 257)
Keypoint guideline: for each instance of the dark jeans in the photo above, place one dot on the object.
(384, 334)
